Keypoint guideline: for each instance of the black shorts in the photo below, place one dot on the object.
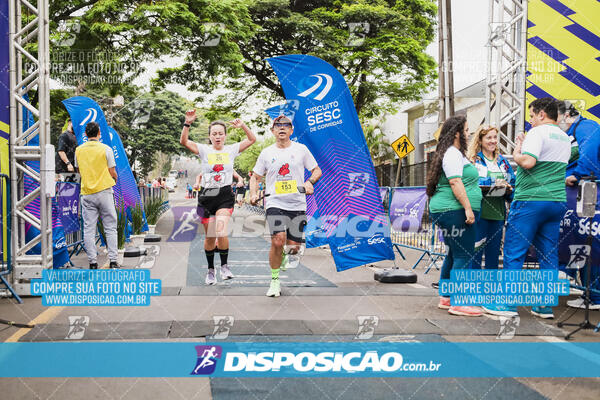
(290, 222)
(212, 200)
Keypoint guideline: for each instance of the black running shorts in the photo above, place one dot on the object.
(290, 222)
(210, 200)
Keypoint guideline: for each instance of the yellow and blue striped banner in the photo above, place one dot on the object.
(563, 53)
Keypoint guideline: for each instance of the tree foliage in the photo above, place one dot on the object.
(246, 161)
(151, 123)
(378, 145)
(148, 123)
(384, 62)
(100, 45)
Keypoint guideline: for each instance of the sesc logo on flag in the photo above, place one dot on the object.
(207, 359)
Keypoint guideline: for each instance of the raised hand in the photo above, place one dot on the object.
(190, 116)
(237, 123)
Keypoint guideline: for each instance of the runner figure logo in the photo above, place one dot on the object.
(414, 211)
(358, 182)
(207, 359)
(77, 326)
(366, 326)
(579, 255)
(149, 259)
(508, 327)
(223, 324)
(186, 224)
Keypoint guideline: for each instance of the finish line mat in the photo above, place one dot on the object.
(249, 261)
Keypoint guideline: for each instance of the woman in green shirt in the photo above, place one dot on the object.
(494, 170)
(454, 202)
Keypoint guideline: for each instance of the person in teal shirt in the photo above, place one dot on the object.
(495, 171)
(454, 202)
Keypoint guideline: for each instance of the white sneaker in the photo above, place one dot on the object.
(226, 272)
(580, 303)
(575, 291)
(211, 279)
(274, 289)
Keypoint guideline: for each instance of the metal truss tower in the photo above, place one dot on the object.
(29, 42)
(506, 66)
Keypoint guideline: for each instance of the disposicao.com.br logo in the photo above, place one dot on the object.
(369, 361)
(207, 359)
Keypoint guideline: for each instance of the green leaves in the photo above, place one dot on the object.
(100, 45)
(154, 208)
(149, 124)
(377, 144)
(379, 47)
(137, 218)
(246, 161)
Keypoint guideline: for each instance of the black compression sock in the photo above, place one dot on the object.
(224, 255)
(210, 258)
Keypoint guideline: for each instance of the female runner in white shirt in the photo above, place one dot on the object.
(216, 200)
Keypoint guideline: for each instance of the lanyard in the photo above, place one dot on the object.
(575, 128)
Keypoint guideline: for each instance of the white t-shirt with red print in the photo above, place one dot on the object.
(283, 170)
(217, 165)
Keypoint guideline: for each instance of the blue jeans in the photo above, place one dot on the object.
(491, 231)
(459, 237)
(537, 223)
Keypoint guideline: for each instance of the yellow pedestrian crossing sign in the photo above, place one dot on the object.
(403, 146)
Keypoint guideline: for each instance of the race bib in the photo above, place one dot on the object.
(286, 187)
(218, 158)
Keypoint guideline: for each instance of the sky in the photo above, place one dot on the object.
(470, 31)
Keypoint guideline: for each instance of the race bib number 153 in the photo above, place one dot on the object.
(286, 187)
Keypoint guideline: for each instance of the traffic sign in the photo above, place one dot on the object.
(402, 146)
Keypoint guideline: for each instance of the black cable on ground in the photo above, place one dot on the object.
(15, 324)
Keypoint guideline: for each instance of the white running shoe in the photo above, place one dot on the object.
(226, 272)
(579, 303)
(274, 289)
(211, 279)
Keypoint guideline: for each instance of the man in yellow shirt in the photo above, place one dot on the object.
(96, 163)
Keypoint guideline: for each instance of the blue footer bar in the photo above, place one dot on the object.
(363, 359)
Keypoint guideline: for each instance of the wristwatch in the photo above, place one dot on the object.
(311, 181)
(186, 124)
